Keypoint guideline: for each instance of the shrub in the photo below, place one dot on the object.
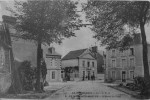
(27, 75)
(131, 86)
(142, 84)
(46, 83)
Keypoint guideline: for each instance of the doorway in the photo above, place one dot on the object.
(88, 75)
(123, 76)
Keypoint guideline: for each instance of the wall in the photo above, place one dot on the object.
(87, 58)
(54, 67)
(57, 76)
(71, 62)
(5, 82)
(100, 76)
(48, 62)
(138, 71)
(24, 50)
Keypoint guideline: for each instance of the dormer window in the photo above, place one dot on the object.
(113, 52)
(132, 51)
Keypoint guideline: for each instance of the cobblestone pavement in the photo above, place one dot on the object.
(89, 90)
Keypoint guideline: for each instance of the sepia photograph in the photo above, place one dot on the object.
(74, 50)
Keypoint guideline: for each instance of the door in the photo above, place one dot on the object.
(113, 75)
(88, 75)
(123, 76)
(83, 75)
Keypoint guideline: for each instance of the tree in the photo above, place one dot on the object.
(27, 74)
(111, 19)
(45, 22)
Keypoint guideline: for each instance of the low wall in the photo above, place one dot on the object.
(100, 76)
(5, 82)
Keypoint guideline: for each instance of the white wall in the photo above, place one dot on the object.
(48, 63)
(25, 50)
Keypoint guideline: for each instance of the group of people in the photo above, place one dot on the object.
(92, 77)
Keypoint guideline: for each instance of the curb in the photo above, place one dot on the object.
(33, 99)
(123, 91)
(57, 91)
(136, 95)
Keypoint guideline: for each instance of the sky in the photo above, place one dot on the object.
(84, 36)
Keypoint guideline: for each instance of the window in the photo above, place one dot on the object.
(55, 62)
(131, 74)
(113, 52)
(76, 75)
(92, 64)
(121, 53)
(53, 74)
(124, 63)
(113, 74)
(131, 62)
(113, 63)
(62, 74)
(51, 63)
(131, 51)
(83, 63)
(88, 64)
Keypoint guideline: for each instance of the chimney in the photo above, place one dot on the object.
(51, 50)
(94, 49)
(137, 38)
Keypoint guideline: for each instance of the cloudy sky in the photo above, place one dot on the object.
(83, 37)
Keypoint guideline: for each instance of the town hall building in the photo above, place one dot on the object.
(79, 65)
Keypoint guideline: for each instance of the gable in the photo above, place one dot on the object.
(87, 56)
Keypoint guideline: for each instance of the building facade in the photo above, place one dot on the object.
(79, 65)
(125, 65)
(53, 64)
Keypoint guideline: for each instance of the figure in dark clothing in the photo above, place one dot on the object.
(93, 77)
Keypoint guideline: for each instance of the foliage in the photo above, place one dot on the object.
(44, 69)
(142, 84)
(115, 22)
(27, 75)
(45, 22)
(111, 19)
(51, 19)
(139, 84)
(132, 86)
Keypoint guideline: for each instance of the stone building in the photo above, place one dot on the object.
(5, 61)
(53, 64)
(125, 65)
(79, 65)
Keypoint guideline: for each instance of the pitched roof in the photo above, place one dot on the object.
(52, 52)
(73, 54)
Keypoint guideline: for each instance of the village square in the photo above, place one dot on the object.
(74, 50)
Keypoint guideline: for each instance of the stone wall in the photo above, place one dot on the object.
(5, 82)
